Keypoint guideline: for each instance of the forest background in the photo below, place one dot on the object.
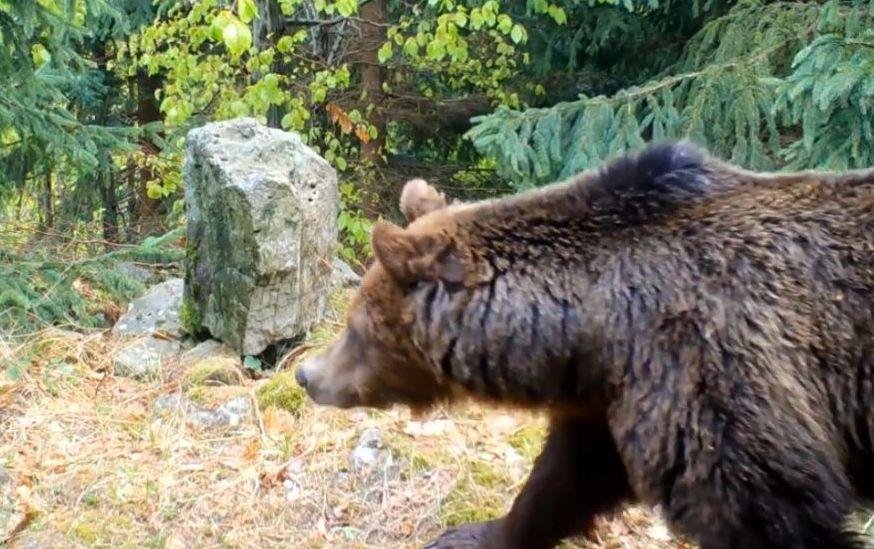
(480, 97)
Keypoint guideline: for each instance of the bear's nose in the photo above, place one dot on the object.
(301, 378)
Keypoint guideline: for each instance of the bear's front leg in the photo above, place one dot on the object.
(476, 535)
(577, 476)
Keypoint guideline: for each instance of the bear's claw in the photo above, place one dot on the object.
(477, 535)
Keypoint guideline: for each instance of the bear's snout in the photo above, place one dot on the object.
(301, 377)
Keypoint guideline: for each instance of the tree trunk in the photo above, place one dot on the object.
(47, 200)
(144, 212)
(373, 15)
(109, 198)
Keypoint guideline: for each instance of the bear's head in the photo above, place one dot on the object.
(375, 361)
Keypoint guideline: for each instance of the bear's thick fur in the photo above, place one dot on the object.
(701, 336)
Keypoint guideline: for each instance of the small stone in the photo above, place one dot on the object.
(229, 414)
(293, 489)
(144, 357)
(172, 402)
(236, 410)
(342, 275)
(5, 477)
(371, 438)
(241, 406)
(155, 311)
(208, 349)
(207, 419)
(368, 453)
(213, 371)
(363, 457)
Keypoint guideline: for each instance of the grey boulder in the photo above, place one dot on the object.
(262, 232)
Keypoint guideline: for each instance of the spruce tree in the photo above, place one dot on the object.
(42, 75)
(768, 85)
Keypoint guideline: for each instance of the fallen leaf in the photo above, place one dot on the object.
(272, 476)
(29, 516)
(278, 421)
(362, 134)
(250, 452)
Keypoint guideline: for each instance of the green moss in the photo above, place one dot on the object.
(528, 440)
(212, 371)
(214, 396)
(189, 316)
(283, 392)
(95, 527)
(480, 495)
(486, 476)
(199, 395)
(86, 532)
(92, 499)
(406, 450)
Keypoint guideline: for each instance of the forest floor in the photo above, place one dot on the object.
(90, 459)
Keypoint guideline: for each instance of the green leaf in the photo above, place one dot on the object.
(436, 50)
(288, 6)
(385, 52)
(252, 363)
(518, 34)
(341, 163)
(558, 15)
(239, 108)
(411, 47)
(237, 37)
(285, 44)
(476, 19)
(347, 7)
(247, 10)
(505, 24)
(40, 55)
(218, 25)
(319, 94)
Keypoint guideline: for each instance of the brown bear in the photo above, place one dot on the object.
(701, 336)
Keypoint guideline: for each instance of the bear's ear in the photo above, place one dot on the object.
(411, 257)
(419, 198)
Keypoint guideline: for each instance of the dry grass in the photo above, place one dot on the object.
(91, 463)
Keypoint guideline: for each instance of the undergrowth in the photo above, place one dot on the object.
(42, 287)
